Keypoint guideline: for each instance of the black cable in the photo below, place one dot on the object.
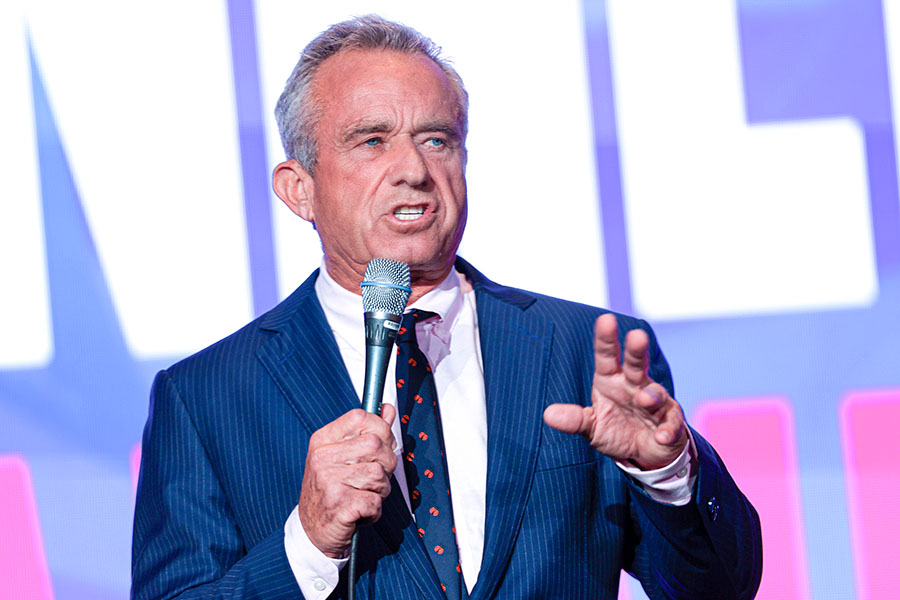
(351, 567)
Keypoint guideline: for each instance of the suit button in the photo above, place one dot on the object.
(712, 505)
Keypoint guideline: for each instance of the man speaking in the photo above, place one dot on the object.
(528, 447)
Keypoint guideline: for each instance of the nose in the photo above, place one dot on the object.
(407, 164)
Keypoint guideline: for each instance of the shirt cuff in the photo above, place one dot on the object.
(316, 574)
(673, 483)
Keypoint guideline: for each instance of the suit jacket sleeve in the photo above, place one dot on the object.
(709, 548)
(186, 541)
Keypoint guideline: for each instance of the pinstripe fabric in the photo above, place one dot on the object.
(225, 444)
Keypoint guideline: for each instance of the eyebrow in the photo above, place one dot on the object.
(446, 127)
(363, 129)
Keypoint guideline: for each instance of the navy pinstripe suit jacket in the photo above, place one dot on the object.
(225, 443)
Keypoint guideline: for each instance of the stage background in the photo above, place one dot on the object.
(726, 169)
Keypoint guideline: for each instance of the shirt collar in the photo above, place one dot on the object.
(344, 309)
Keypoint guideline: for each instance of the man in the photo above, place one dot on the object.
(258, 465)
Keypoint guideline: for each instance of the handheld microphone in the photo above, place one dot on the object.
(385, 292)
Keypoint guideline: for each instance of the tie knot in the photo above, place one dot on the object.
(407, 333)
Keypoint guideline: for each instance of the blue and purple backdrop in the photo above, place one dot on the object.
(726, 169)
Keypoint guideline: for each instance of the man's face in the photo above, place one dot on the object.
(390, 177)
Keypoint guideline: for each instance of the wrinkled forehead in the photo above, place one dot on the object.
(368, 84)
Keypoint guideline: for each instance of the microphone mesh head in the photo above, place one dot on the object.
(385, 286)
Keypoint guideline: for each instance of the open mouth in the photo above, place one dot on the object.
(409, 213)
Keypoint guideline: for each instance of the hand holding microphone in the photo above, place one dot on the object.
(351, 460)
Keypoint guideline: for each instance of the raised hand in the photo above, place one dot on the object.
(632, 419)
(348, 471)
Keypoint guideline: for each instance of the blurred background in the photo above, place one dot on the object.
(726, 169)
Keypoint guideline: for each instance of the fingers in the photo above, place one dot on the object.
(633, 417)
(570, 418)
(672, 430)
(347, 475)
(355, 423)
(636, 359)
(669, 431)
(364, 448)
(606, 345)
(367, 477)
(388, 413)
(652, 400)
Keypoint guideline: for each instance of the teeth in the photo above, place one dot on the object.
(409, 213)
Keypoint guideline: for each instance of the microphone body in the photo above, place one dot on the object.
(385, 291)
(381, 331)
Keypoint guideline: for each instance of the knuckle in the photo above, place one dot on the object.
(658, 391)
(370, 442)
(372, 471)
(367, 504)
(391, 462)
(356, 416)
(384, 433)
(316, 438)
(316, 458)
(313, 461)
(385, 490)
(373, 504)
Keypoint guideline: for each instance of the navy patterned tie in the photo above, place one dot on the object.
(423, 456)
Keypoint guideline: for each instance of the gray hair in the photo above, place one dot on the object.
(297, 110)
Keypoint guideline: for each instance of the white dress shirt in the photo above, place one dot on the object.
(453, 349)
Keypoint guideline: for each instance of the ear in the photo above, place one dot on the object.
(296, 188)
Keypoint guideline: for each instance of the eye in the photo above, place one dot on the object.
(375, 141)
(436, 142)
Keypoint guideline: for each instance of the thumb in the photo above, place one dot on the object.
(388, 412)
(569, 418)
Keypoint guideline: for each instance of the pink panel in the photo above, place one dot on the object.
(756, 439)
(624, 586)
(134, 459)
(869, 426)
(23, 565)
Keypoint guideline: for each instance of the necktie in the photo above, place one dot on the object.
(423, 459)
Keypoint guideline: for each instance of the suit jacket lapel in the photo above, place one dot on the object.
(305, 362)
(515, 346)
(303, 359)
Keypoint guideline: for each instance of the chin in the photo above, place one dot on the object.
(427, 262)
(423, 253)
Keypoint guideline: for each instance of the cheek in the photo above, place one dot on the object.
(333, 218)
(459, 196)
(453, 179)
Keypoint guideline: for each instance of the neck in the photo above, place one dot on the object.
(421, 281)
(422, 284)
